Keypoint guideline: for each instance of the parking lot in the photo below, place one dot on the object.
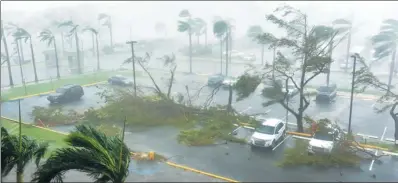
(237, 161)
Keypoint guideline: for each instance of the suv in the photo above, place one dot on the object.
(66, 93)
(326, 93)
(215, 80)
(323, 142)
(120, 80)
(268, 133)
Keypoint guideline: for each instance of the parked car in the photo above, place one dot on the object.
(323, 142)
(268, 133)
(326, 93)
(66, 93)
(249, 57)
(228, 81)
(120, 80)
(215, 80)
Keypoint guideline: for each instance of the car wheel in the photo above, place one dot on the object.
(273, 144)
(284, 134)
(110, 82)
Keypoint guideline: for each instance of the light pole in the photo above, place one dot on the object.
(352, 90)
(133, 61)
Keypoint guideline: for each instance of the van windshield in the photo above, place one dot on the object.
(266, 129)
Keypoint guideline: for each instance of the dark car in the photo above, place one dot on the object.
(120, 80)
(66, 93)
(215, 80)
(326, 93)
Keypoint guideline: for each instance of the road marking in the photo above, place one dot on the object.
(236, 129)
(281, 142)
(241, 112)
(381, 139)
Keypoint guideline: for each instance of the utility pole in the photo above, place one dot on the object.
(352, 91)
(133, 61)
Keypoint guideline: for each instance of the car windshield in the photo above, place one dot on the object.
(60, 90)
(215, 77)
(323, 136)
(266, 129)
(325, 89)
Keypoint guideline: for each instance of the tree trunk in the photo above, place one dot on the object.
(21, 48)
(62, 43)
(197, 40)
(226, 54)
(98, 60)
(206, 37)
(348, 50)
(93, 43)
(392, 66)
(190, 51)
(273, 63)
(33, 60)
(56, 59)
(79, 69)
(229, 110)
(7, 56)
(221, 55)
(20, 177)
(230, 46)
(395, 118)
(262, 55)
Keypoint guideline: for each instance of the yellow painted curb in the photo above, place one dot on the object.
(43, 93)
(373, 147)
(16, 121)
(201, 172)
(246, 124)
(299, 134)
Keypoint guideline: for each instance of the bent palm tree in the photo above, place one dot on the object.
(199, 28)
(95, 34)
(7, 55)
(22, 34)
(385, 44)
(73, 31)
(253, 32)
(108, 23)
(47, 35)
(186, 26)
(104, 158)
(221, 31)
(344, 26)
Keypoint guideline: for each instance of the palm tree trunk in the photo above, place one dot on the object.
(262, 55)
(348, 50)
(62, 42)
(33, 60)
(190, 52)
(221, 55)
(56, 59)
(19, 163)
(392, 66)
(93, 43)
(98, 61)
(206, 37)
(273, 63)
(7, 55)
(226, 54)
(21, 48)
(111, 35)
(329, 65)
(79, 70)
(20, 61)
(20, 177)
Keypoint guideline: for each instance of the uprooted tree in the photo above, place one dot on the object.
(365, 79)
(309, 46)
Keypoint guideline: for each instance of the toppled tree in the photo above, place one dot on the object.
(365, 79)
(308, 45)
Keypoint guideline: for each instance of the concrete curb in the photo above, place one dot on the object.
(167, 162)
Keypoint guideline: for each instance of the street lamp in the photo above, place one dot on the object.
(133, 61)
(352, 90)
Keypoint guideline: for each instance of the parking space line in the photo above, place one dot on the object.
(247, 109)
(281, 142)
(381, 139)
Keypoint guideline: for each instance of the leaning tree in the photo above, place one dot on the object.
(187, 26)
(7, 55)
(309, 47)
(73, 31)
(47, 36)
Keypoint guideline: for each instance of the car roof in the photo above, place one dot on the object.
(69, 86)
(118, 76)
(271, 122)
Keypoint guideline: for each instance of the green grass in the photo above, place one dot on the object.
(31, 89)
(54, 139)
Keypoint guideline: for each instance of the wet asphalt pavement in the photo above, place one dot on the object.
(234, 160)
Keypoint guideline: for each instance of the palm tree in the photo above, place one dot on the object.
(95, 34)
(200, 28)
(7, 56)
(221, 30)
(344, 26)
(18, 151)
(253, 32)
(385, 44)
(48, 36)
(187, 26)
(73, 31)
(105, 158)
(22, 34)
(108, 23)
